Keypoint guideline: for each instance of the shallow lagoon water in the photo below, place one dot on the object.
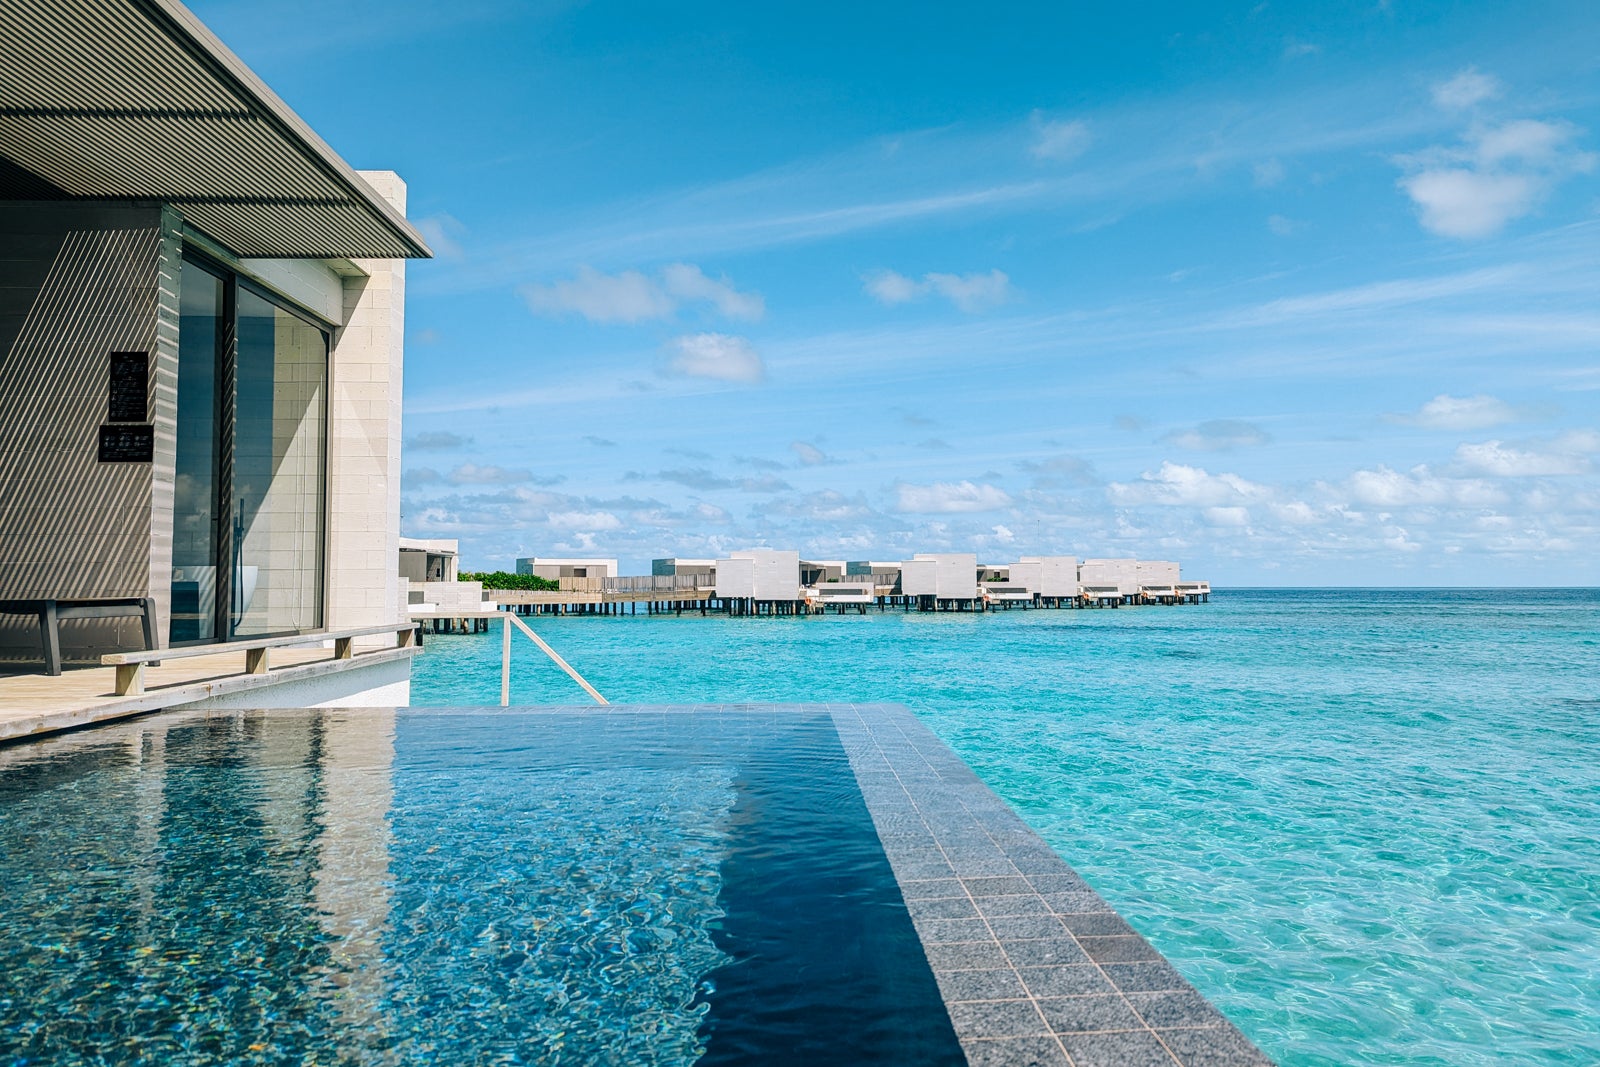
(1365, 823)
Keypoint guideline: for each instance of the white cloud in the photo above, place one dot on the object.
(688, 282)
(1377, 295)
(584, 520)
(1467, 89)
(1467, 203)
(718, 356)
(810, 455)
(625, 297)
(1446, 412)
(436, 441)
(487, 474)
(442, 232)
(631, 296)
(1177, 484)
(1499, 460)
(1231, 517)
(971, 293)
(1497, 174)
(1284, 226)
(1268, 172)
(1385, 488)
(1059, 139)
(1296, 513)
(891, 287)
(1524, 141)
(950, 497)
(1219, 435)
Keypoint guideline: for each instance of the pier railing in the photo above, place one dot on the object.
(657, 583)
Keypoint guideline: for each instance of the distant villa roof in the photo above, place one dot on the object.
(137, 100)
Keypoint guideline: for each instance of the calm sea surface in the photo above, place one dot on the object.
(1365, 823)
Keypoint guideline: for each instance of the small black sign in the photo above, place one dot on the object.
(127, 442)
(130, 387)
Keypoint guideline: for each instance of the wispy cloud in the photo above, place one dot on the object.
(1446, 412)
(468, 474)
(436, 441)
(1218, 435)
(626, 297)
(810, 455)
(443, 233)
(1058, 139)
(1374, 295)
(948, 498)
(631, 296)
(971, 293)
(704, 480)
(1466, 89)
(717, 356)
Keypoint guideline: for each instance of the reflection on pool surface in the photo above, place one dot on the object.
(462, 887)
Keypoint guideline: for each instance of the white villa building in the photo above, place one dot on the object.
(941, 575)
(759, 574)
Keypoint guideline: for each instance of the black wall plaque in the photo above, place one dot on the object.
(130, 387)
(127, 442)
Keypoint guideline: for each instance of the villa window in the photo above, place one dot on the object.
(250, 480)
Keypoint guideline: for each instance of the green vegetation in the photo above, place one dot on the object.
(507, 580)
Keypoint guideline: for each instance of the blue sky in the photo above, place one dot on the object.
(1294, 294)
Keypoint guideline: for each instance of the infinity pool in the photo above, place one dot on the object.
(454, 887)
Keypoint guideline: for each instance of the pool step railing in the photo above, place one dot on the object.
(509, 620)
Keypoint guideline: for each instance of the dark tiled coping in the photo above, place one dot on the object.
(1034, 966)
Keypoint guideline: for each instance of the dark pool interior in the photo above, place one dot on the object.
(462, 886)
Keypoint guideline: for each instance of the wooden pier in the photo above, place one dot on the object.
(594, 598)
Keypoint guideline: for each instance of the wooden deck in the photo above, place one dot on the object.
(34, 704)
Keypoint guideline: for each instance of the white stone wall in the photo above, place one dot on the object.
(1156, 572)
(775, 573)
(365, 381)
(1122, 573)
(379, 685)
(1057, 576)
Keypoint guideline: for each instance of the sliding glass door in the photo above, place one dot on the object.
(251, 478)
(279, 447)
(196, 537)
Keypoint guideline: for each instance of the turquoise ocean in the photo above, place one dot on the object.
(1366, 823)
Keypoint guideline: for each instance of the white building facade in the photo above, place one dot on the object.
(201, 346)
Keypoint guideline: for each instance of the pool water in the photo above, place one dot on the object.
(376, 887)
(1365, 823)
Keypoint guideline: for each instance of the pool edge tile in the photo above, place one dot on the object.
(974, 848)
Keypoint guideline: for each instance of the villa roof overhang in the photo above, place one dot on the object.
(137, 100)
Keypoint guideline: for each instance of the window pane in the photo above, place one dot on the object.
(194, 529)
(279, 445)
